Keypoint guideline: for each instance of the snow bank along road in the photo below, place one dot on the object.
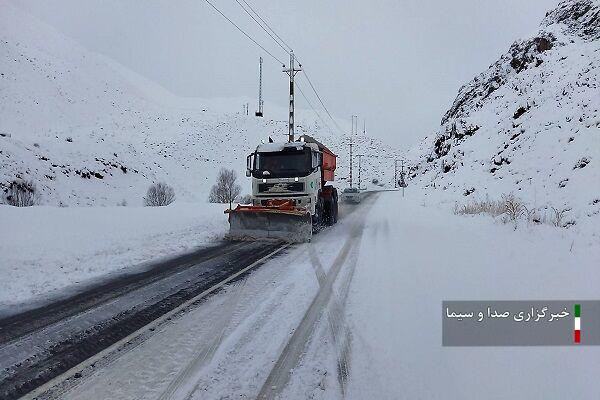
(39, 345)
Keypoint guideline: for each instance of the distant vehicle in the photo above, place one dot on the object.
(351, 195)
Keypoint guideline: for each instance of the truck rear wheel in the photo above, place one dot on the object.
(330, 209)
(335, 207)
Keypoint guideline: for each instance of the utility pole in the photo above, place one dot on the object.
(403, 184)
(359, 169)
(291, 71)
(259, 113)
(395, 174)
(351, 161)
(351, 144)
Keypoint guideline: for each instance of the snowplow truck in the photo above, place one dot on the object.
(290, 195)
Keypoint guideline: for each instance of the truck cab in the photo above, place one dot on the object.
(295, 171)
(286, 171)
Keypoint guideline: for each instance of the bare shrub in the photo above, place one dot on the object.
(475, 207)
(21, 193)
(513, 207)
(533, 216)
(225, 190)
(558, 217)
(159, 194)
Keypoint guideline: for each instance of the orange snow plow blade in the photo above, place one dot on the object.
(275, 221)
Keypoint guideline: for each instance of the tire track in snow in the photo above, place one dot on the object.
(64, 380)
(345, 345)
(339, 331)
(289, 358)
(181, 387)
(204, 354)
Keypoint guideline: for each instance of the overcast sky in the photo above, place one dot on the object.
(399, 64)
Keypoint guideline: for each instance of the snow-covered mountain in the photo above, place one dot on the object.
(90, 132)
(529, 124)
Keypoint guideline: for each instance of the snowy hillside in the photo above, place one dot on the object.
(90, 132)
(529, 124)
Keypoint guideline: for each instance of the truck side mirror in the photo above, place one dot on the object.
(315, 160)
(249, 162)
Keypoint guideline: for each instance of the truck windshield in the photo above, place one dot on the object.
(283, 164)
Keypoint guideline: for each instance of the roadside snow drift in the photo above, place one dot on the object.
(45, 250)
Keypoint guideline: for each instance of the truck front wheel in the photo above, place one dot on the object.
(317, 219)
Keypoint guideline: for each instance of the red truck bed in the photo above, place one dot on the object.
(328, 165)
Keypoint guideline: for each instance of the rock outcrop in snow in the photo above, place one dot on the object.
(530, 123)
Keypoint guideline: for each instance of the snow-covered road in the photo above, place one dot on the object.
(356, 314)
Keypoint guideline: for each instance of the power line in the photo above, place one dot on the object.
(320, 100)
(312, 108)
(263, 28)
(245, 34)
(289, 48)
(281, 43)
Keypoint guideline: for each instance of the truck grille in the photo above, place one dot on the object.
(281, 187)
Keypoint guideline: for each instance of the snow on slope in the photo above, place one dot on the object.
(90, 132)
(49, 249)
(530, 123)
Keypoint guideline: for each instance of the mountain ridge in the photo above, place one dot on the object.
(529, 124)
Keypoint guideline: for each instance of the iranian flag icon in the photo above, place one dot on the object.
(577, 313)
